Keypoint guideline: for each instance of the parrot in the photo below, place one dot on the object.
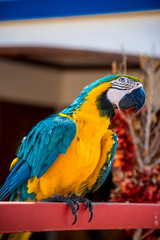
(69, 154)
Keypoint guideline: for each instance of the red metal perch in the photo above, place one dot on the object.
(36, 217)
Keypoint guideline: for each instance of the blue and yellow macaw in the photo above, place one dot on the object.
(70, 153)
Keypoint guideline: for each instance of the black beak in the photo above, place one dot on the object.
(134, 99)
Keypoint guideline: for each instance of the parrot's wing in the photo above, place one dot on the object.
(39, 150)
(45, 142)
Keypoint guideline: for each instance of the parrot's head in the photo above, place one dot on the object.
(110, 93)
(126, 92)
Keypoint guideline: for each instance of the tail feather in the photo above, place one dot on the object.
(19, 174)
(16, 236)
(10, 177)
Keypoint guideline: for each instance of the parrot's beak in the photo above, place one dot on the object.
(134, 99)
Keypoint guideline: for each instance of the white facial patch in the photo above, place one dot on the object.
(114, 95)
(120, 87)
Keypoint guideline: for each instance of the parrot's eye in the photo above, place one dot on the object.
(122, 80)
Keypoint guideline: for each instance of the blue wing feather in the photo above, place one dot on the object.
(46, 141)
(15, 179)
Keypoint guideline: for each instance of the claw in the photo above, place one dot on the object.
(91, 216)
(78, 205)
(75, 201)
(87, 205)
(75, 220)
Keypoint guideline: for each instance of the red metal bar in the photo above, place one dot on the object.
(36, 217)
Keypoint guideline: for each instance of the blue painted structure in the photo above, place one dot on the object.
(31, 9)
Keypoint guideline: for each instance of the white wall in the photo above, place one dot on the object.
(137, 32)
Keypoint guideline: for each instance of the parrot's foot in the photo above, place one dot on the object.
(72, 201)
(79, 199)
(67, 200)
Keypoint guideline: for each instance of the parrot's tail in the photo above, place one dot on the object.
(19, 174)
(16, 236)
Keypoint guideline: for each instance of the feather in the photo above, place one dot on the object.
(18, 176)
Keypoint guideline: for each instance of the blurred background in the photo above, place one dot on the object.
(50, 50)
